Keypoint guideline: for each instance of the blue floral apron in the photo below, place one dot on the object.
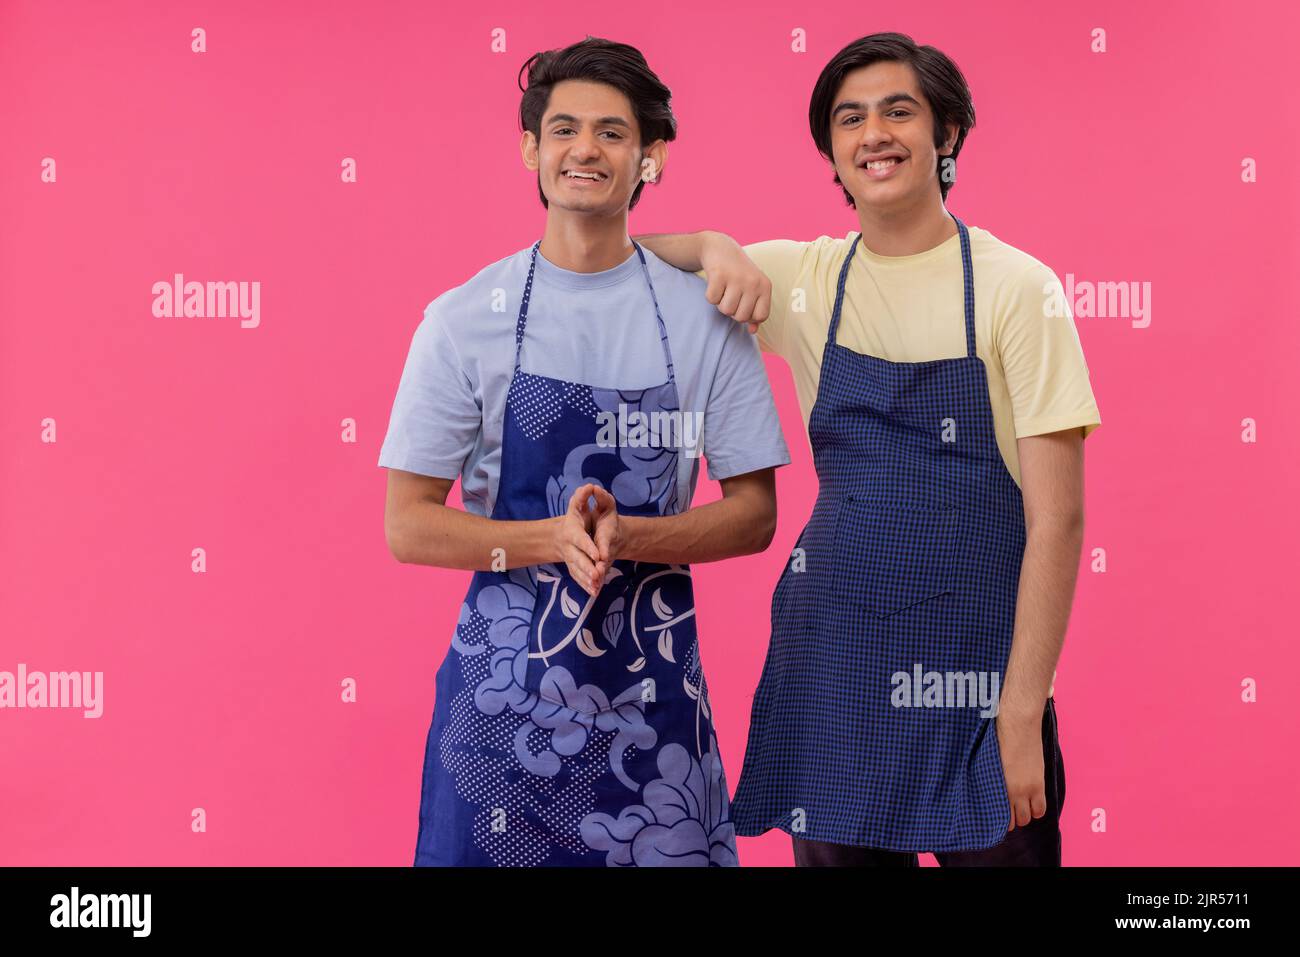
(908, 567)
(569, 729)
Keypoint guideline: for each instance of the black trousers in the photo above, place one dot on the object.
(1037, 844)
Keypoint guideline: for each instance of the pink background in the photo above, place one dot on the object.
(222, 690)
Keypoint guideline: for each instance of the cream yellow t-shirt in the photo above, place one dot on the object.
(909, 309)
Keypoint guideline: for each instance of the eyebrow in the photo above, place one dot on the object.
(603, 121)
(889, 100)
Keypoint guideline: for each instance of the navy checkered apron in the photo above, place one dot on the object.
(908, 565)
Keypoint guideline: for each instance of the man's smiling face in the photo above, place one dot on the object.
(589, 153)
(882, 137)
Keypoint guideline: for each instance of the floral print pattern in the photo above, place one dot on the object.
(572, 728)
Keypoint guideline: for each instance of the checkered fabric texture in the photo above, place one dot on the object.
(911, 558)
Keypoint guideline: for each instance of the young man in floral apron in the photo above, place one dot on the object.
(572, 388)
(906, 703)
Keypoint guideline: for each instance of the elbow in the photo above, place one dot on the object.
(760, 515)
(764, 528)
(751, 503)
(396, 542)
(1064, 525)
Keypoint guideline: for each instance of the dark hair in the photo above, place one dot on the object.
(941, 81)
(599, 61)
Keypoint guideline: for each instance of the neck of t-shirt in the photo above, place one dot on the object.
(942, 250)
(554, 275)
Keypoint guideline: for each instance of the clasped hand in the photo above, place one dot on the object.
(589, 536)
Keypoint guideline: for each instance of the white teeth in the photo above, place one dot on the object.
(883, 164)
(582, 175)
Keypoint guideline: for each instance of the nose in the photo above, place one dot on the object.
(874, 133)
(585, 147)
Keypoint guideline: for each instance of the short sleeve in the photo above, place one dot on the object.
(784, 262)
(741, 431)
(1042, 358)
(436, 419)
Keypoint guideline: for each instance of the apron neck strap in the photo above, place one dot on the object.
(839, 291)
(967, 281)
(968, 286)
(663, 330)
(522, 321)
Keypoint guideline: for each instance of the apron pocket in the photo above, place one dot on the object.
(889, 556)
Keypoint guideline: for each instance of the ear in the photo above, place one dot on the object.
(951, 141)
(528, 150)
(657, 152)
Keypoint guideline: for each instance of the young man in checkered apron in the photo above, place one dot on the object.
(906, 703)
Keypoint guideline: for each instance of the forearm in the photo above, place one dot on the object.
(446, 537)
(684, 250)
(723, 529)
(1048, 574)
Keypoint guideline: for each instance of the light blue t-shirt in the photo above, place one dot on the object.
(595, 328)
